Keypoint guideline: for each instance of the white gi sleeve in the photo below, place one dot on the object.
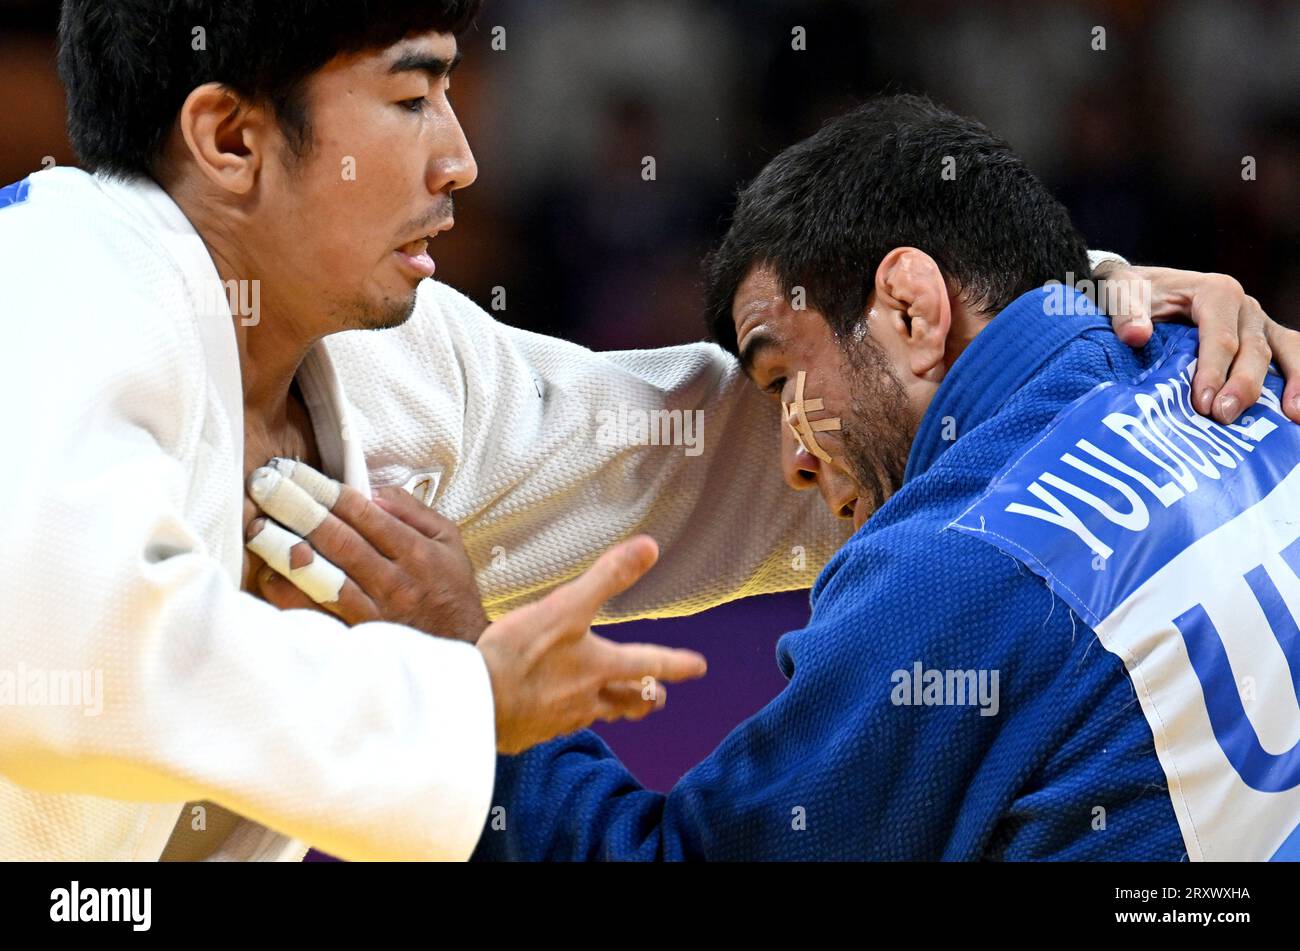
(552, 453)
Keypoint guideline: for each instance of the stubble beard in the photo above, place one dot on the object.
(386, 315)
(878, 436)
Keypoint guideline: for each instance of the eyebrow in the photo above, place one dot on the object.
(436, 67)
(755, 344)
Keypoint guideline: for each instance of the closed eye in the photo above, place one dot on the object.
(775, 387)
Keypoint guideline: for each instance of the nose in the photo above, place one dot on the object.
(802, 470)
(798, 465)
(452, 166)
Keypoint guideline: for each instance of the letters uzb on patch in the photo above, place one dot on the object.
(1178, 540)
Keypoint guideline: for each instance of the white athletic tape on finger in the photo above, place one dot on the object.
(320, 580)
(316, 484)
(796, 416)
(286, 501)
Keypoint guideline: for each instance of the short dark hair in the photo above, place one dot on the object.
(825, 212)
(129, 65)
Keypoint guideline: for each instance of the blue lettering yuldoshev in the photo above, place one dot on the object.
(14, 194)
(1257, 767)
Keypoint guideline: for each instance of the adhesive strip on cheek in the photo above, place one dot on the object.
(320, 580)
(286, 501)
(316, 484)
(796, 417)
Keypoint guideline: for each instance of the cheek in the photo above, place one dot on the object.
(365, 186)
(824, 381)
(351, 225)
(832, 380)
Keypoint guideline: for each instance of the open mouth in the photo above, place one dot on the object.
(415, 256)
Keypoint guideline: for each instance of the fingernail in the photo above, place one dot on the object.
(1227, 407)
(1206, 398)
(254, 528)
(262, 483)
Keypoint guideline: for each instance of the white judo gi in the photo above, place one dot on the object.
(121, 541)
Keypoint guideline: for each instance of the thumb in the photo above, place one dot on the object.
(1126, 298)
(613, 573)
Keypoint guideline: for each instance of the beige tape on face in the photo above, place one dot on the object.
(796, 417)
(286, 501)
(319, 579)
(318, 485)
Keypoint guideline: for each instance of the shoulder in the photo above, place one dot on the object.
(441, 311)
(86, 292)
(916, 561)
(918, 585)
(974, 458)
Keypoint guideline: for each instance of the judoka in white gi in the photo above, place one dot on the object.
(137, 404)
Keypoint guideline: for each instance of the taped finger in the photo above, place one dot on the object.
(280, 592)
(318, 579)
(286, 501)
(316, 484)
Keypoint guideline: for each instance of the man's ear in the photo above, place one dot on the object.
(912, 296)
(225, 137)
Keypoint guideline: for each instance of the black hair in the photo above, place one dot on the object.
(825, 212)
(129, 65)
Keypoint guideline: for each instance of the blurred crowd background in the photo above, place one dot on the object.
(1145, 141)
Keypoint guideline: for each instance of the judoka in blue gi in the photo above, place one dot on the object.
(1065, 627)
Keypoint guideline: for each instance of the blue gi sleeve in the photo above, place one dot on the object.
(849, 761)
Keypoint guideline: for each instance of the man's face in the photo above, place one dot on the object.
(856, 383)
(385, 155)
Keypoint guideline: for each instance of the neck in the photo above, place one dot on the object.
(272, 338)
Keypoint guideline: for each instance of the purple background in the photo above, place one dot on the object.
(739, 641)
